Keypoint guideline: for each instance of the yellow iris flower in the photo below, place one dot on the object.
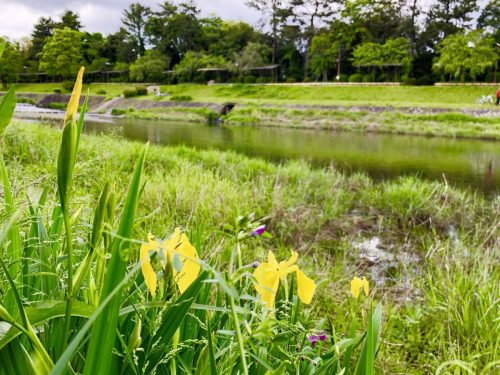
(357, 284)
(268, 275)
(177, 246)
(74, 101)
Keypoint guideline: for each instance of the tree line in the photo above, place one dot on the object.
(297, 40)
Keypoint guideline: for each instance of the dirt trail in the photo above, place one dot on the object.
(107, 107)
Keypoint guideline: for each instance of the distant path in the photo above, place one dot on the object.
(107, 106)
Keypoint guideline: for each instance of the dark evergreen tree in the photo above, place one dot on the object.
(135, 19)
(71, 20)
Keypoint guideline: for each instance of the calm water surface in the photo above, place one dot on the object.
(463, 162)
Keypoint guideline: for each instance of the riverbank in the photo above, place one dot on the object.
(451, 97)
(450, 111)
(428, 249)
(479, 124)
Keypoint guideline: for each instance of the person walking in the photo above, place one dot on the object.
(498, 96)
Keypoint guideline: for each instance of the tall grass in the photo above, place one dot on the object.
(77, 303)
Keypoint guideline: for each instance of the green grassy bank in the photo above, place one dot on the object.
(448, 124)
(457, 97)
(433, 265)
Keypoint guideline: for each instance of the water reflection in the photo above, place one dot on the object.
(463, 162)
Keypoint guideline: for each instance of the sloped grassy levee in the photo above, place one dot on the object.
(447, 124)
(439, 291)
(398, 96)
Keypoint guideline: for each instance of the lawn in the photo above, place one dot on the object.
(397, 96)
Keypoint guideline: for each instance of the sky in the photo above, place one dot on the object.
(17, 17)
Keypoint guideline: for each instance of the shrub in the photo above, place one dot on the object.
(343, 78)
(290, 80)
(67, 85)
(367, 78)
(118, 111)
(101, 92)
(129, 93)
(263, 80)
(249, 79)
(425, 80)
(356, 77)
(410, 81)
(137, 91)
(57, 91)
(141, 90)
(57, 105)
(211, 116)
(26, 101)
(181, 98)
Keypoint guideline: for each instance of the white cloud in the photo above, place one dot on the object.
(18, 17)
(16, 20)
(97, 18)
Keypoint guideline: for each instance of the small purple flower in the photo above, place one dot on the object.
(258, 231)
(313, 339)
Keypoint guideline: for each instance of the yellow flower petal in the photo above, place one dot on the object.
(272, 260)
(305, 286)
(293, 259)
(74, 101)
(175, 240)
(267, 282)
(190, 265)
(147, 270)
(366, 286)
(357, 284)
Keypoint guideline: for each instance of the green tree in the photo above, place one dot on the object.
(135, 19)
(92, 44)
(447, 17)
(323, 55)
(186, 70)
(176, 29)
(62, 54)
(229, 38)
(368, 54)
(70, 20)
(490, 18)
(309, 13)
(119, 47)
(374, 20)
(42, 30)
(275, 13)
(149, 67)
(10, 63)
(253, 55)
(397, 52)
(462, 53)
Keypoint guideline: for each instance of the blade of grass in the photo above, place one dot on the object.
(7, 107)
(104, 331)
(366, 362)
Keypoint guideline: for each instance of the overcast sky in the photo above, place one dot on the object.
(17, 17)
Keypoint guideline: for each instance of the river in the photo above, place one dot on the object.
(463, 162)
